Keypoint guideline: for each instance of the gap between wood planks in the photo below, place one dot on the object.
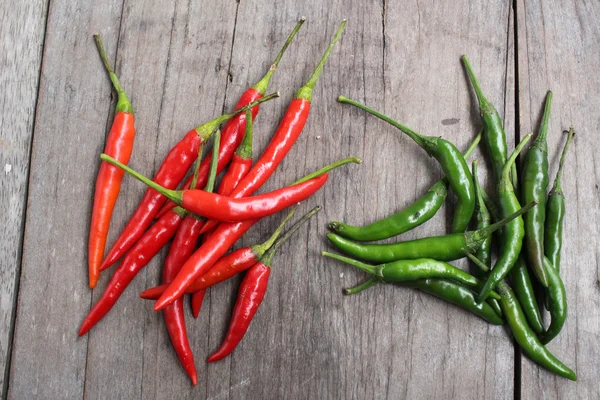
(15, 297)
(518, 358)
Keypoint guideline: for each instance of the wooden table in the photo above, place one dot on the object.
(183, 62)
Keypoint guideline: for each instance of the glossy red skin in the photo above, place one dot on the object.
(203, 259)
(119, 146)
(227, 234)
(238, 169)
(181, 249)
(140, 255)
(250, 296)
(197, 299)
(228, 209)
(286, 135)
(231, 137)
(227, 266)
(171, 172)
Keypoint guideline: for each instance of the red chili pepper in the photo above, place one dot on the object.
(217, 244)
(286, 135)
(119, 145)
(136, 259)
(181, 249)
(170, 173)
(236, 261)
(251, 293)
(197, 300)
(229, 209)
(233, 132)
(241, 163)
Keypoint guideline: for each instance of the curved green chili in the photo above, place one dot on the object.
(533, 187)
(451, 160)
(525, 337)
(521, 282)
(410, 270)
(555, 212)
(557, 303)
(422, 210)
(482, 218)
(493, 132)
(441, 248)
(513, 232)
(458, 295)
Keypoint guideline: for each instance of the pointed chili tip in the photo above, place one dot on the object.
(83, 330)
(214, 357)
(194, 379)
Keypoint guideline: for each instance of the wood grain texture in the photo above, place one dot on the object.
(21, 41)
(48, 359)
(558, 51)
(184, 62)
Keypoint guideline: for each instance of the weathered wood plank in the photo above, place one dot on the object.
(73, 106)
(558, 51)
(353, 347)
(308, 340)
(176, 56)
(21, 41)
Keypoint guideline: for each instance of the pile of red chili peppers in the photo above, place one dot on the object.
(202, 224)
(526, 232)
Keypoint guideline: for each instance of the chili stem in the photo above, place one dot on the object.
(362, 286)
(212, 175)
(244, 150)
(483, 102)
(488, 230)
(556, 187)
(123, 103)
(206, 130)
(267, 259)
(546, 117)
(175, 195)
(371, 269)
(197, 166)
(328, 168)
(305, 92)
(262, 85)
(476, 260)
(473, 145)
(511, 160)
(417, 137)
(267, 244)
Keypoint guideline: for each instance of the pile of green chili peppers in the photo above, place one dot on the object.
(528, 238)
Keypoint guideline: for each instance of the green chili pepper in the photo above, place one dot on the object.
(441, 248)
(362, 286)
(482, 218)
(410, 270)
(493, 132)
(458, 295)
(422, 210)
(526, 338)
(451, 160)
(523, 334)
(557, 303)
(534, 186)
(555, 213)
(524, 291)
(513, 232)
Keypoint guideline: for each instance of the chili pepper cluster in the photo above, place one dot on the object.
(203, 225)
(528, 238)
